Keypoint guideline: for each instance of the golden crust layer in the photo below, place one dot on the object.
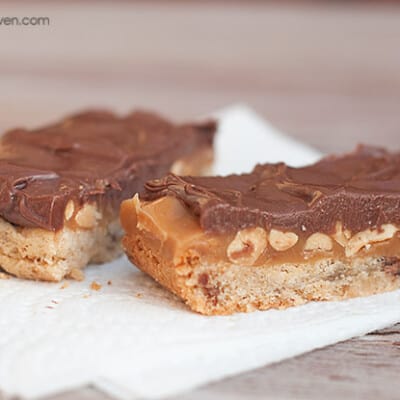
(226, 289)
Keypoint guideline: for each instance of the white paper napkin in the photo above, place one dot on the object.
(134, 340)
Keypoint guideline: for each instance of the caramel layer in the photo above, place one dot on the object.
(169, 225)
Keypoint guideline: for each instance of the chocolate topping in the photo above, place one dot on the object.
(360, 189)
(94, 156)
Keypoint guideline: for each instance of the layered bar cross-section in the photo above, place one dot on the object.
(272, 238)
(61, 185)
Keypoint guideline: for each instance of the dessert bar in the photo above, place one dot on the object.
(272, 238)
(61, 186)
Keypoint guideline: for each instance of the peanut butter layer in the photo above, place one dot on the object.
(48, 175)
(173, 230)
(360, 190)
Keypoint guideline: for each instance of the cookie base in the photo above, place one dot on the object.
(229, 288)
(49, 256)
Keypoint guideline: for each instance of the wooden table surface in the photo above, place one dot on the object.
(326, 73)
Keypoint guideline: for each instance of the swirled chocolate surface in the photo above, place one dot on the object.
(93, 156)
(361, 189)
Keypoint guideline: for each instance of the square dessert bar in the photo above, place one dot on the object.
(273, 238)
(61, 186)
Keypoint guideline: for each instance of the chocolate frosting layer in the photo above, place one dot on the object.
(93, 156)
(360, 189)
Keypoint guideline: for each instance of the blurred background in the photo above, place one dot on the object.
(325, 72)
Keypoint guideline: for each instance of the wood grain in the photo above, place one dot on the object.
(327, 73)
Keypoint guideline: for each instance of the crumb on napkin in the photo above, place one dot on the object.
(95, 286)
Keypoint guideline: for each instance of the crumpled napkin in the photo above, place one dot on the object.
(133, 339)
